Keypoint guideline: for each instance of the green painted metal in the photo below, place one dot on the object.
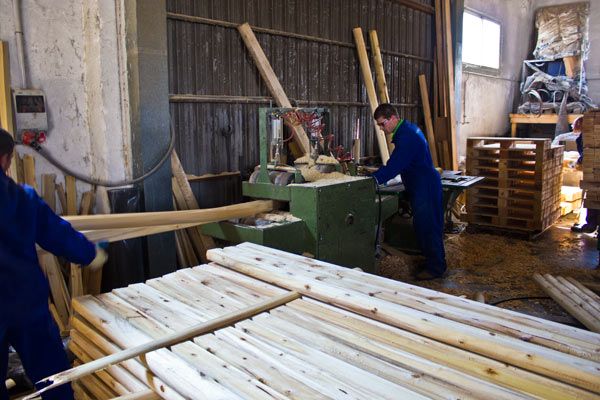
(286, 236)
(340, 221)
(266, 191)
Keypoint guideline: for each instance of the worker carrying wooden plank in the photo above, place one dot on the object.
(412, 160)
(25, 320)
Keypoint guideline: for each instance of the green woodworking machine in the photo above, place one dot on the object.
(337, 218)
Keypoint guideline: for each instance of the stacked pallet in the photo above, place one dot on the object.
(591, 159)
(352, 335)
(522, 186)
(574, 297)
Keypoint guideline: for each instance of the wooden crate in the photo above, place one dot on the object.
(522, 186)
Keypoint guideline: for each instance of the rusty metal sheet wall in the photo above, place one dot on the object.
(216, 89)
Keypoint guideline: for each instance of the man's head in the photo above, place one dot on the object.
(7, 145)
(386, 117)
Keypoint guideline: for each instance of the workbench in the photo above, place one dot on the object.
(536, 119)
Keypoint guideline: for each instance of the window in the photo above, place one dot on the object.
(481, 41)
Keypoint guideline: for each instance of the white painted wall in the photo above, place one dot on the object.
(72, 53)
(487, 100)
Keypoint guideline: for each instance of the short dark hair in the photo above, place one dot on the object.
(385, 110)
(7, 143)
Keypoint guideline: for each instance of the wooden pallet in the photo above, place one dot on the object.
(522, 186)
(352, 335)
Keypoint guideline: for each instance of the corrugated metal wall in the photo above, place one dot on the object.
(216, 90)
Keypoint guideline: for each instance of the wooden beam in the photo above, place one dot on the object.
(372, 96)
(271, 80)
(572, 370)
(382, 88)
(29, 171)
(210, 177)
(170, 340)
(71, 195)
(49, 190)
(428, 122)
(6, 111)
(451, 91)
(136, 220)
(115, 235)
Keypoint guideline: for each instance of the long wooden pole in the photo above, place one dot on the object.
(573, 370)
(169, 340)
(136, 220)
(114, 235)
(271, 80)
(382, 88)
(428, 123)
(371, 95)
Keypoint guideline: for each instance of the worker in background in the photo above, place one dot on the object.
(412, 160)
(25, 320)
(591, 218)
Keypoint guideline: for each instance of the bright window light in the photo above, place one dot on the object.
(481, 41)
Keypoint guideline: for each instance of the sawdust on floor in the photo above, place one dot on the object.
(502, 267)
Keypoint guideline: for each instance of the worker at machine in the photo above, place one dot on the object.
(25, 320)
(412, 160)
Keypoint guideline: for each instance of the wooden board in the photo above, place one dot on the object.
(356, 346)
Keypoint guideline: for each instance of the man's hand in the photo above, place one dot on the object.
(101, 256)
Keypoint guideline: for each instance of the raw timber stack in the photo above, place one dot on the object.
(574, 297)
(522, 186)
(591, 159)
(351, 335)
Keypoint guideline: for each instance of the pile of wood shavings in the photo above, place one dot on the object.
(312, 174)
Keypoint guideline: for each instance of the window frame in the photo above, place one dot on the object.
(481, 68)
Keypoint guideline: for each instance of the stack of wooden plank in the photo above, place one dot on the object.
(522, 186)
(591, 159)
(351, 335)
(574, 297)
(571, 198)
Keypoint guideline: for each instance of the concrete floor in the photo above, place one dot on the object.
(502, 267)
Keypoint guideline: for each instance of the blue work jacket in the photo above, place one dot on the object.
(25, 219)
(412, 160)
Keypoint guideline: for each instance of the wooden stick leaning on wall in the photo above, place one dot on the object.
(372, 96)
(382, 88)
(268, 75)
(185, 199)
(428, 123)
(450, 79)
(6, 112)
(169, 340)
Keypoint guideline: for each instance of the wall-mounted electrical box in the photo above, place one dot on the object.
(30, 114)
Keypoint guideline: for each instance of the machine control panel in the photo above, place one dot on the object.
(30, 115)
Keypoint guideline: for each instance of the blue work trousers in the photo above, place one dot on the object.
(40, 348)
(428, 222)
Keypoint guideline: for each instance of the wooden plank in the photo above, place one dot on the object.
(169, 340)
(540, 119)
(451, 92)
(210, 177)
(6, 111)
(87, 203)
(76, 281)
(132, 220)
(71, 195)
(271, 80)
(58, 287)
(371, 95)
(382, 88)
(49, 190)
(133, 366)
(428, 122)
(29, 171)
(573, 370)
(62, 198)
(398, 294)
(114, 235)
(571, 334)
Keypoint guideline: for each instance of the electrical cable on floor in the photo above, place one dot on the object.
(101, 182)
(378, 216)
(495, 303)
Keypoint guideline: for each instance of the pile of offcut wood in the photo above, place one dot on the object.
(352, 335)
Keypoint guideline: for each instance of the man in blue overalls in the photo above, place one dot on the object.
(25, 320)
(412, 160)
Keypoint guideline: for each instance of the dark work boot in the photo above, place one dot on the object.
(585, 228)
